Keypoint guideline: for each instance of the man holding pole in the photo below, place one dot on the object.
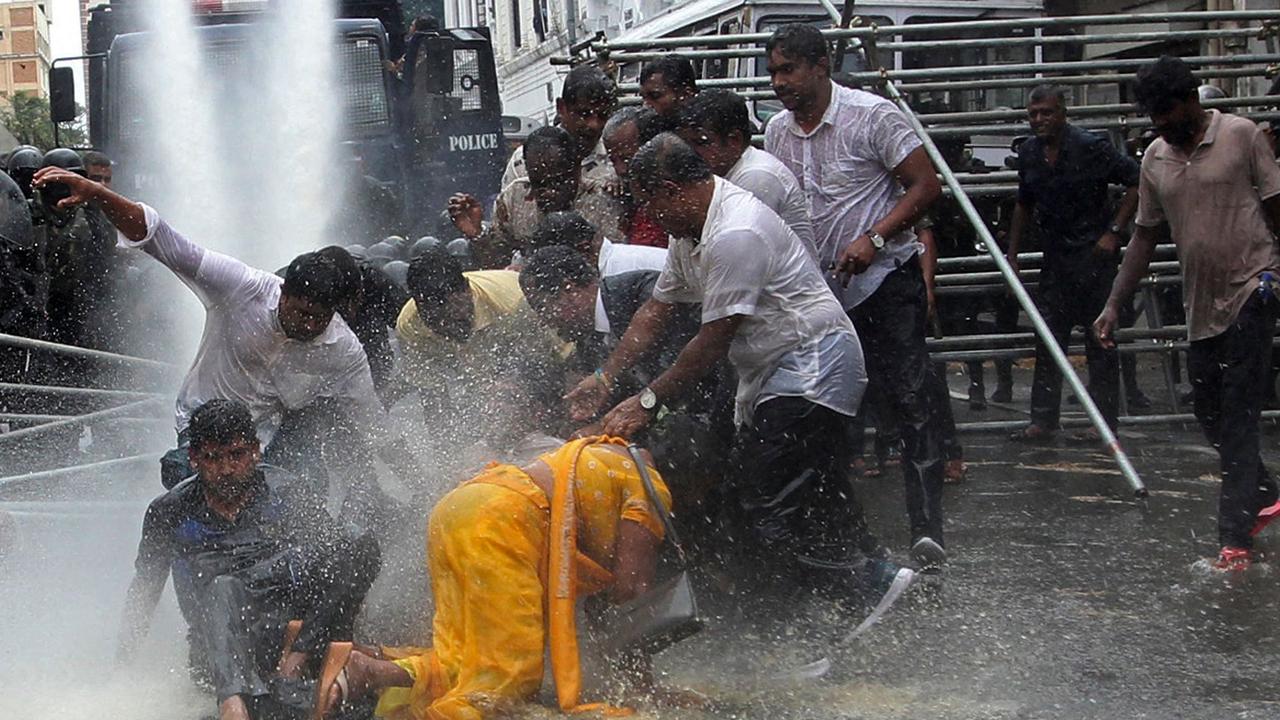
(1212, 179)
(1063, 177)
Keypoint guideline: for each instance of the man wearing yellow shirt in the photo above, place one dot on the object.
(463, 333)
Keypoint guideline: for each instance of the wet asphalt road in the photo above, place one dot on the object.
(1065, 598)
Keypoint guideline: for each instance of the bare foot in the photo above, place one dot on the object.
(233, 708)
(291, 665)
(357, 682)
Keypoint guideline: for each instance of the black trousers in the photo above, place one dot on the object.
(238, 619)
(1227, 373)
(790, 480)
(891, 325)
(1073, 292)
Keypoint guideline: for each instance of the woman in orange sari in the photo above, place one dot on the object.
(509, 552)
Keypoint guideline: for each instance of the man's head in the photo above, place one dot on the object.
(666, 177)
(97, 167)
(314, 287)
(442, 294)
(352, 283)
(560, 286)
(716, 125)
(567, 228)
(798, 63)
(1047, 111)
(666, 83)
(622, 137)
(1166, 91)
(585, 103)
(553, 169)
(223, 446)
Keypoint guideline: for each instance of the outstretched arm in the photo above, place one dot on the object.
(646, 327)
(151, 571)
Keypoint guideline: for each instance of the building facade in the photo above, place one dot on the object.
(24, 49)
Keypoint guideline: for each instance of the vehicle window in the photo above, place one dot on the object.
(365, 98)
(943, 56)
(467, 87)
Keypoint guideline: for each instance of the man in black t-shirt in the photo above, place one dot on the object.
(249, 548)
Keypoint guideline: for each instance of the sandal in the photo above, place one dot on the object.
(333, 671)
(291, 632)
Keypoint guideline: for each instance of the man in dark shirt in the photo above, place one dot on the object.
(1063, 178)
(249, 548)
(373, 302)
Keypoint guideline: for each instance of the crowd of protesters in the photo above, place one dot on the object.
(645, 273)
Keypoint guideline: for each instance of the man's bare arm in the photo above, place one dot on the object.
(127, 215)
(1137, 258)
(646, 327)
(703, 352)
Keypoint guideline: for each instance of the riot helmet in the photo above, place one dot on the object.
(64, 158)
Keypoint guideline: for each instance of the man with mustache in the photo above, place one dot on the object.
(1211, 179)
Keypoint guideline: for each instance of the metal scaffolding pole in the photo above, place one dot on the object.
(75, 469)
(75, 421)
(1130, 421)
(33, 344)
(1024, 299)
(75, 391)
(1099, 79)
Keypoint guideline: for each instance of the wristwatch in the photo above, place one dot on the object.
(877, 240)
(648, 400)
(1115, 229)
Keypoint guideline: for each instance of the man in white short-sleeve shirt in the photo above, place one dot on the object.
(274, 344)
(868, 179)
(717, 125)
(767, 308)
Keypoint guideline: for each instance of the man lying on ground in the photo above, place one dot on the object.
(504, 550)
(249, 548)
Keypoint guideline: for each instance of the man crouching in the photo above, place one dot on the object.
(250, 548)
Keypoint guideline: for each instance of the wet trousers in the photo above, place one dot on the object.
(1074, 292)
(790, 479)
(238, 619)
(1227, 374)
(891, 324)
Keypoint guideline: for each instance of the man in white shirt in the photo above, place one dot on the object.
(715, 122)
(868, 179)
(800, 377)
(274, 344)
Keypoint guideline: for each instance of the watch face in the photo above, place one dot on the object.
(648, 400)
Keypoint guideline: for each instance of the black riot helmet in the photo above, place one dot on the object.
(24, 160)
(15, 217)
(64, 158)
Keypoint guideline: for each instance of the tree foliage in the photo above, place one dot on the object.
(27, 118)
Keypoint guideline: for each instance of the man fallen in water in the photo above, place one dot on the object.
(249, 548)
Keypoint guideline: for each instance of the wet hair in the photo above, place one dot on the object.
(676, 71)
(549, 137)
(720, 111)
(666, 158)
(317, 278)
(425, 23)
(621, 118)
(220, 422)
(352, 281)
(566, 227)
(799, 41)
(1164, 82)
(434, 276)
(650, 124)
(1044, 91)
(554, 268)
(96, 159)
(589, 84)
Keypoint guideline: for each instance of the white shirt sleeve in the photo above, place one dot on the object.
(211, 275)
(738, 270)
(672, 286)
(892, 138)
(766, 186)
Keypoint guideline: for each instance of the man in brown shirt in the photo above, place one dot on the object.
(1212, 179)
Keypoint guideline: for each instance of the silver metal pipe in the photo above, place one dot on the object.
(33, 344)
(1125, 421)
(1119, 123)
(37, 418)
(75, 469)
(623, 57)
(1163, 250)
(1100, 79)
(972, 278)
(1002, 340)
(999, 289)
(76, 421)
(1087, 110)
(1073, 350)
(946, 28)
(76, 391)
(1022, 296)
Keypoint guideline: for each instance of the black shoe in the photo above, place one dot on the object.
(977, 397)
(1138, 400)
(1003, 393)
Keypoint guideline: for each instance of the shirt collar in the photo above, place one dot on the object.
(742, 159)
(1211, 132)
(713, 213)
(828, 117)
(602, 317)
